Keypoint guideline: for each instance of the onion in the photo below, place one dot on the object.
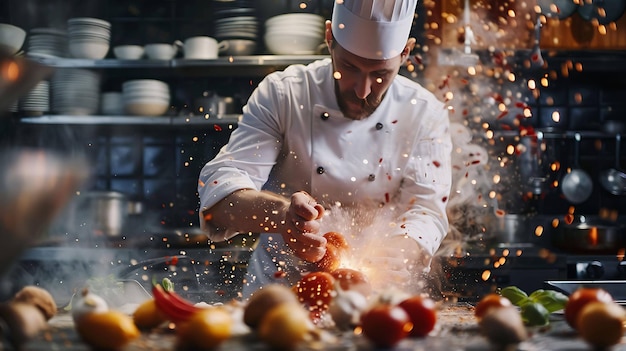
(346, 308)
(88, 303)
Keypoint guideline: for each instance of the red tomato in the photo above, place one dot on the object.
(337, 239)
(386, 325)
(351, 279)
(579, 299)
(331, 259)
(423, 314)
(489, 301)
(315, 290)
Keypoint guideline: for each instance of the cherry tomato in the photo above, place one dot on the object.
(351, 279)
(331, 259)
(386, 325)
(315, 290)
(489, 301)
(581, 297)
(423, 314)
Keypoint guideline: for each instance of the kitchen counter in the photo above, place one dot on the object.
(456, 330)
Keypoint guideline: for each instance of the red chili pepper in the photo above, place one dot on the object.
(173, 305)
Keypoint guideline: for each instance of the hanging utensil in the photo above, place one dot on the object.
(536, 59)
(577, 184)
(614, 180)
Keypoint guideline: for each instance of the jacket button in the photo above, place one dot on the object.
(379, 126)
(372, 177)
(324, 116)
(320, 170)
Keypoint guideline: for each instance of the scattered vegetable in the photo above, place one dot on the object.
(87, 303)
(315, 290)
(148, 315)
(24, 321)
(385, 325)
(537, 306)
(490, 301)
(423, 314)
(346, 307)
(285, 326)
(601, 324)
(38, 297)
(336, 246)
(174, 306)
(351, 279)
(581, 297)
(503, 326)
(205, 330)
(107, 330)
(265, 299)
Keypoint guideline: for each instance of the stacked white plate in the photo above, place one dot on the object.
(145, 97)
(89, 38)
(47, 42)
(36, 101)
(237, 27)
(294, 33)
(75, 91)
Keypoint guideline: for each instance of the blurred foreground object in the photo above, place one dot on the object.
(18, 75)
(34, 186)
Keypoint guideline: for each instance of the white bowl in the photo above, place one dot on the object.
(88, 49)
(11, 38)
(145, 84)
(158, 51)
(128, 52)
(145, 108)
(301, 18)
(292, 44)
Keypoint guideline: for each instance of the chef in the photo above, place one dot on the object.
(344, 135)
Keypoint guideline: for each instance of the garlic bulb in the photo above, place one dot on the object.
(346, 308)
(88, 303)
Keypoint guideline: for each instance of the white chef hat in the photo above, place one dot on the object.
(374, 29)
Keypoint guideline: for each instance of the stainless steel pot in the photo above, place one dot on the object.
(102, 213)
(590, 235)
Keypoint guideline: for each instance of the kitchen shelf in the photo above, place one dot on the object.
(133, 120)
(224, 61)
(553, 134)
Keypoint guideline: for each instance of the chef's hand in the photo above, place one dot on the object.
(302, 227)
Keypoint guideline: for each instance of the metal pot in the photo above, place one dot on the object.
(590, 236)
(511, 228)
(102, 213)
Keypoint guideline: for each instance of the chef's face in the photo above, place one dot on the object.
(360, 83)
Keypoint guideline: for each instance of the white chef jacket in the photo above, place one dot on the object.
(293, 137)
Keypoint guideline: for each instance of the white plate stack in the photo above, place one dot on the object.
(145, 97)
(36, 101)
(294, 33)
(237, 24)
(75, 91)
(89, 38)
(47, 43)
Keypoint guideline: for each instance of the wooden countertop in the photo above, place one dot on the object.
(456, 330)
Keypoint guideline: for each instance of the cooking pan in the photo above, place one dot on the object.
(590, 235)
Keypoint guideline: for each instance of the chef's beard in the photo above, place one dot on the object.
(347, 100)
